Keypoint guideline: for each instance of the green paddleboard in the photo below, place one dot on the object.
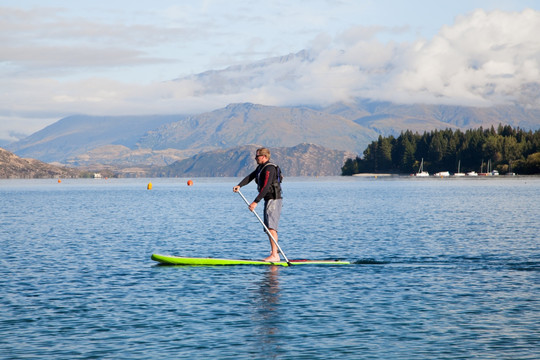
(175, 260)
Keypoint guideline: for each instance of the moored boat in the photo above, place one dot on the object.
(458, 170)
(421, 172)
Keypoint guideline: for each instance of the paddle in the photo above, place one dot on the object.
(266, 229)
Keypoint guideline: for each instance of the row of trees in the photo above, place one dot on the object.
(507, 149)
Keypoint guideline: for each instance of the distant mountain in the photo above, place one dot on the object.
(121, 156)
(13, 167)
(300, 160)
(390, 119)
(248, 76)
(75, 135)
(239, 124)
(160, 140)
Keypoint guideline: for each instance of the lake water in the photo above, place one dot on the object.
(442, 269)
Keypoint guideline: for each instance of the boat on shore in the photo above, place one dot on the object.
(510, 173)
(489, 170)
(421, 172)
(459, 174)
(482, 173)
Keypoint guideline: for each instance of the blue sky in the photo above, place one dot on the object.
(119, 57)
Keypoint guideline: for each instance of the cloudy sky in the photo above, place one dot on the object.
(64, 57)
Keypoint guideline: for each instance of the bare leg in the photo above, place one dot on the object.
(274, 255)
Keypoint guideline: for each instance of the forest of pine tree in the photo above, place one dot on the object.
(505, 148)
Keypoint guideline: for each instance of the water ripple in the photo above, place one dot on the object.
(441, 270)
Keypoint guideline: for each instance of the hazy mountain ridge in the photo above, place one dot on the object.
(390, 119)
(251, 75)
(78, 134)
(239, 124)
(162, 139)
(300, 160)
(122, 156)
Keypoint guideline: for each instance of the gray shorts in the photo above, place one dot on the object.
(272, 212)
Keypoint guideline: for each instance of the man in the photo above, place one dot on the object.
(266, 177)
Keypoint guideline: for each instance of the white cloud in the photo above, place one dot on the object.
(484, 58)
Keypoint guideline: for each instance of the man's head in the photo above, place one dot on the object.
(262, 155)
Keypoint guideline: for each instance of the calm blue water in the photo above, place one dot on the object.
(444, 269)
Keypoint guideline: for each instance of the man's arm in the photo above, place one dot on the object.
(245, 181)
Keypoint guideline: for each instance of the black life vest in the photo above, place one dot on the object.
(275, 188)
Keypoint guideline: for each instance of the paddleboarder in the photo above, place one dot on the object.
(268, 178)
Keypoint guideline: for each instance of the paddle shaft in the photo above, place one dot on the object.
(266, 229)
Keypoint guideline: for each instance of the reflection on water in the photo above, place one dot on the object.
(267, 316)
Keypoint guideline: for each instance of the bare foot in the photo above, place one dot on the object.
(272, 258)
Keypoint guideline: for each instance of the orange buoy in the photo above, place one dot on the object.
(59, 181)
(190, 182)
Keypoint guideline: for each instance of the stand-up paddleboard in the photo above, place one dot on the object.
(175, 260)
